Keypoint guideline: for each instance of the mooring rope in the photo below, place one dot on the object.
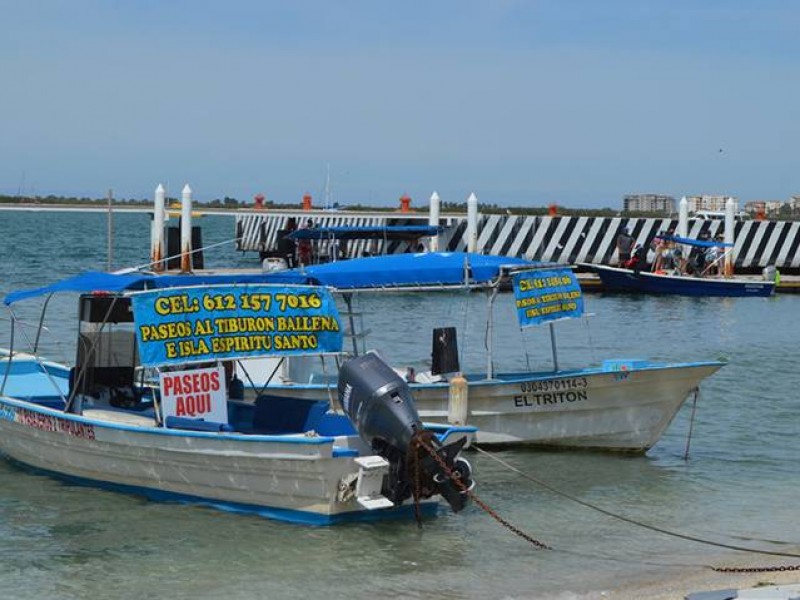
(691, 423)
(684, 536)
(174, 256)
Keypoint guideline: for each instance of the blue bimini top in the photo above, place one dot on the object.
(389, 271)
(98, 281)
(694, 242)
(377, 232)
(412, 270)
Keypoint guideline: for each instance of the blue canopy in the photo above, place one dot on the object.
(97, 281)
(394, 270)
(380, 232)
(694, 242)
(409, 270)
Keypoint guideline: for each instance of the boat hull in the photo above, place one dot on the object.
(291, 478)
(624, 280)
(623, 406)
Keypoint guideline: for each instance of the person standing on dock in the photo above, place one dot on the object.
(304, 248)
(286, 245)
(624, 246)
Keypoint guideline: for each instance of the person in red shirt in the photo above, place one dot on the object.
(304, 249)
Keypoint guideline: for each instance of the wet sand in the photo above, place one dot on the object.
(677, 588)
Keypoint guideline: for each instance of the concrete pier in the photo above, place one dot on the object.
(590, 284)
(563, 240)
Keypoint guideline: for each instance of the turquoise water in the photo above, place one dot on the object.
(740, 485)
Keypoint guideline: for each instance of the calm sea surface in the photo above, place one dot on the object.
(740, 486)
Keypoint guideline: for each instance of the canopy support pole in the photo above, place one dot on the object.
(271, 375)
(490, 332)
(36, 357)
(348, 299)
(81, 374)
(41, 323)
(9, 358)
(553, 347)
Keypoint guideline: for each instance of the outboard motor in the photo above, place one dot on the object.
(380, 405)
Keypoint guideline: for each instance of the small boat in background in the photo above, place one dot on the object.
(617, 279)
(687, 273)
(152, 406)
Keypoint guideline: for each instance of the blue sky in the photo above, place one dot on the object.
(524, 103)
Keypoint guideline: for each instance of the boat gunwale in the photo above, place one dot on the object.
(441, 431)
(515, 377)
(296, 438)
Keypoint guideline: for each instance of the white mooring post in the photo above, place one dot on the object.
(186, 229)
(157, 239)
(472, 223)
(683, 223)
(457, 400)
(683, 217)
(433, 220)
(730, 259)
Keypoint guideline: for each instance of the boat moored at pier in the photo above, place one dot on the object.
(152, 406)
(691, 262)
(617, 279)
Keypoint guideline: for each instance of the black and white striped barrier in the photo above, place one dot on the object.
(566, 240)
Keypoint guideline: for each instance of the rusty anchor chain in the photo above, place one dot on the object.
(777, 569)
(455, 477)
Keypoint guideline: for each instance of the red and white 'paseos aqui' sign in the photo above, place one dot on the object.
(195, 394)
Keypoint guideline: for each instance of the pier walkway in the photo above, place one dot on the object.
(789, 284)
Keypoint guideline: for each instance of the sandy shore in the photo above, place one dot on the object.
(701, 581)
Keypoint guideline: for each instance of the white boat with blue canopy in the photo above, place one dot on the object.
(152, 405)
(619, 405)
(422, 271)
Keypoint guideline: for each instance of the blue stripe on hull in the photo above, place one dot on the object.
(299, 517)
(618, 280)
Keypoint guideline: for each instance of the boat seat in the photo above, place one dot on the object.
(334, 424)
(123, 417)
(240, 415)
(428, 377)
(197, 425)
(275, 414)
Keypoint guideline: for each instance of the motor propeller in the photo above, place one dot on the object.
(381, 407)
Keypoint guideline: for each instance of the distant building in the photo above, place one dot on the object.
(707, 202)
(648, 203)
